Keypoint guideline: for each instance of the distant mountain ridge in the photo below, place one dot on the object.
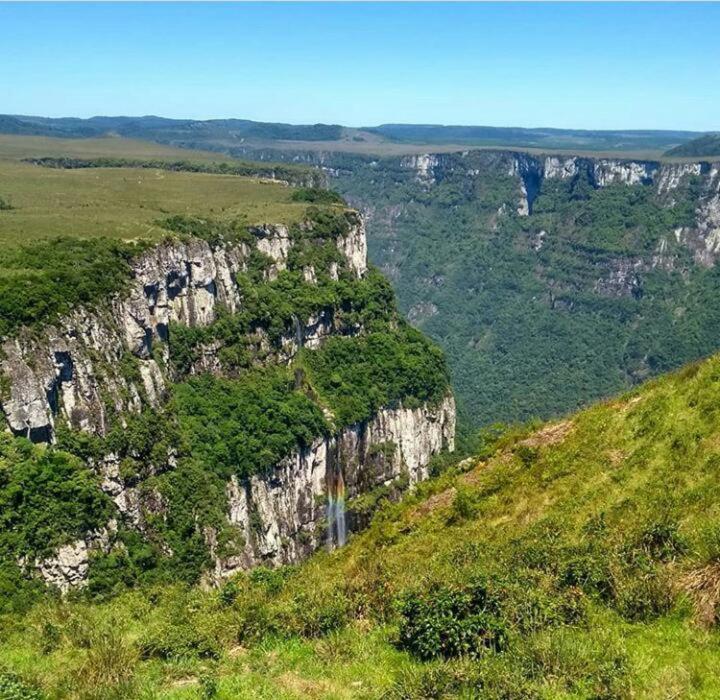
(148, 126)
(222, 134)
(535, 137)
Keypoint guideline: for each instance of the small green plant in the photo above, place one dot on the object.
(464, 505)
(110, 661)
(528, 455)
(12, 687)
(5, 204)
(208, 686)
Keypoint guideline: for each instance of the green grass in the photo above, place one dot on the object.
(19, 147)
(583, 534)
(126, 203)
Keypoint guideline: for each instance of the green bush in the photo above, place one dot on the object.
(12, 687)
(356, 376)
(245, 427)
(213, 231)
(464, 505)
(315, 613)
(315, 195)
(46, 279)
(178, 639)
(47, 498)
(448, 623)
(642, 596)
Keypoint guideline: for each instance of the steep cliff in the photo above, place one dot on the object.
(224, 402)
(74, 368)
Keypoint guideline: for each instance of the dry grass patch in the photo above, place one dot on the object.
(549, 435)
(703, 588)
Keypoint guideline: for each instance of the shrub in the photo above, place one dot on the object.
(110, 660)
(588, 666)
(528, 455)
(464, 505)
(210, 230)
(12, 687)
(358, 375)
(643, 596)
(178, 639)
(316, 613)
(47, 498)
(245, 427)
(448, 623)
(432, 681)
(52, 277)
(316, 195)
(270, 580)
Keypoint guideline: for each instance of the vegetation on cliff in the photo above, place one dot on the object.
(264, 398)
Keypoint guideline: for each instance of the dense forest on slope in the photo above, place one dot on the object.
(704, 146)
(579, 559)
(593, 291)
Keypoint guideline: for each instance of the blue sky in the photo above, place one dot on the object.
(598, 66)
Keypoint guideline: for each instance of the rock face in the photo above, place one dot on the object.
(283, 516)
(68, 567)
(531, 170)
(75, 368)
(74, 371)
(424, 164)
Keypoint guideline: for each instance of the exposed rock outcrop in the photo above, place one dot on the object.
(424, 164)
(68, 567)
(76, 368)
(283, 515)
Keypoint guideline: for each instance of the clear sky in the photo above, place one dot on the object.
(600, 66)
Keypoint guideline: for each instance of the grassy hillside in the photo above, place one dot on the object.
(580, 559)
(20, 147)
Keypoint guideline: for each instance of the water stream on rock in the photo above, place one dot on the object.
(337, 528)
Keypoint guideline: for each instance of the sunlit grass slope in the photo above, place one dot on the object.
(127, 203)
(580, 559)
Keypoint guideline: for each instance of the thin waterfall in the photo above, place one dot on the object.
(340, 527)
(337, 527)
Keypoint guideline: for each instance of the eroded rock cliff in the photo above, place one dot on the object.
(89, 372)
(75, 368)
